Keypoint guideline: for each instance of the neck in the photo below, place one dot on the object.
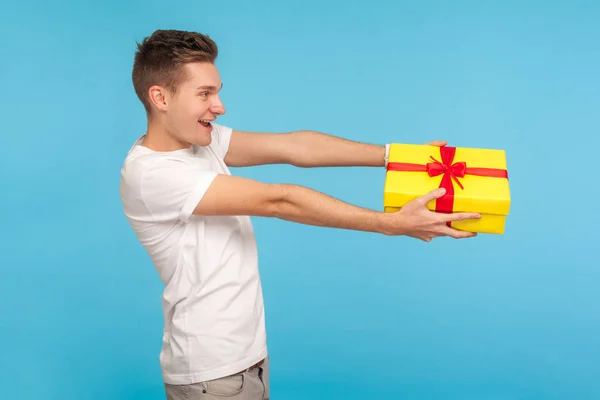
(158, 138)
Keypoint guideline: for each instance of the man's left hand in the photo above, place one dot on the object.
(438, 143)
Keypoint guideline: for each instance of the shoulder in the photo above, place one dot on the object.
(221, 137)
(220, 132)
(163, 186)
(144, 167)
(140, 157)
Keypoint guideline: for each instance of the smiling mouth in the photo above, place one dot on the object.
(205, 122)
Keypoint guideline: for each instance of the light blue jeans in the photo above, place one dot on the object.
(250, 385)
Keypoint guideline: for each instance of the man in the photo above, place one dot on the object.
(193, 216)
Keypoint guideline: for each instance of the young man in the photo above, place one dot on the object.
(193, 217)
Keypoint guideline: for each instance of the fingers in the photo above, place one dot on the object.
(434, 194)
(439, 192)
(446, 230)
(450, 232)
(438, 143)
(442, 219)
(456, 234)
(460, 216)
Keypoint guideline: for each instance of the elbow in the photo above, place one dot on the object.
(278, 203)
(297, 151)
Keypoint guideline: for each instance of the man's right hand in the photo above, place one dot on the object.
(417, 221)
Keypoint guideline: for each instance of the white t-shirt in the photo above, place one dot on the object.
(212, 302)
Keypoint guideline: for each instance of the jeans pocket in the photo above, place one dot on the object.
(227, 386)
(177, 392)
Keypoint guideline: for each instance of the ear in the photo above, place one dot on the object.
(158, 97)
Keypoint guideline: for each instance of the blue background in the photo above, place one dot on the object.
(350, 315)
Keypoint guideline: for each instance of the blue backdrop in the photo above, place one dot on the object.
(350, 315)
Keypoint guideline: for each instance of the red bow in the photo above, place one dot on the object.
(452, 171)
(455, 171)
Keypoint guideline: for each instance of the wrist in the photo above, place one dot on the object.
(384, 224)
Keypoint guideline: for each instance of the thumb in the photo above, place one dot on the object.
(434, 194)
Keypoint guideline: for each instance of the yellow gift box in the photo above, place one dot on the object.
(476, 180)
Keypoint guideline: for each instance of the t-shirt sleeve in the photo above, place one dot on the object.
(221, 137)
(172, 188)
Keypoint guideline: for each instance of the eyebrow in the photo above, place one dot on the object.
(210, 87)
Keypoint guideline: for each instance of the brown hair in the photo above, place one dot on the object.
(160, 57)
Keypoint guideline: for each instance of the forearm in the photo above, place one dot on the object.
(316, 149)
(311, 207)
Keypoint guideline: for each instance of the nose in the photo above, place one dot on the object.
(217, 106)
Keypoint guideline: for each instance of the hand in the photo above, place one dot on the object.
(417, 221)
(438, 143)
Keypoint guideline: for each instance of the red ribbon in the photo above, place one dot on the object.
(452, 171)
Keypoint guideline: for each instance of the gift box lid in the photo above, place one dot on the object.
(476, 180)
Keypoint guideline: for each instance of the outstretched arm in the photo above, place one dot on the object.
(303, 149)
(231, 195)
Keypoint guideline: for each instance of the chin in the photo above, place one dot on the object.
(203, 139)
(204, 142)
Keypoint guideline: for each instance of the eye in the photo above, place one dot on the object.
(203, 94)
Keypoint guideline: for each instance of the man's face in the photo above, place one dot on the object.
(196, 104)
